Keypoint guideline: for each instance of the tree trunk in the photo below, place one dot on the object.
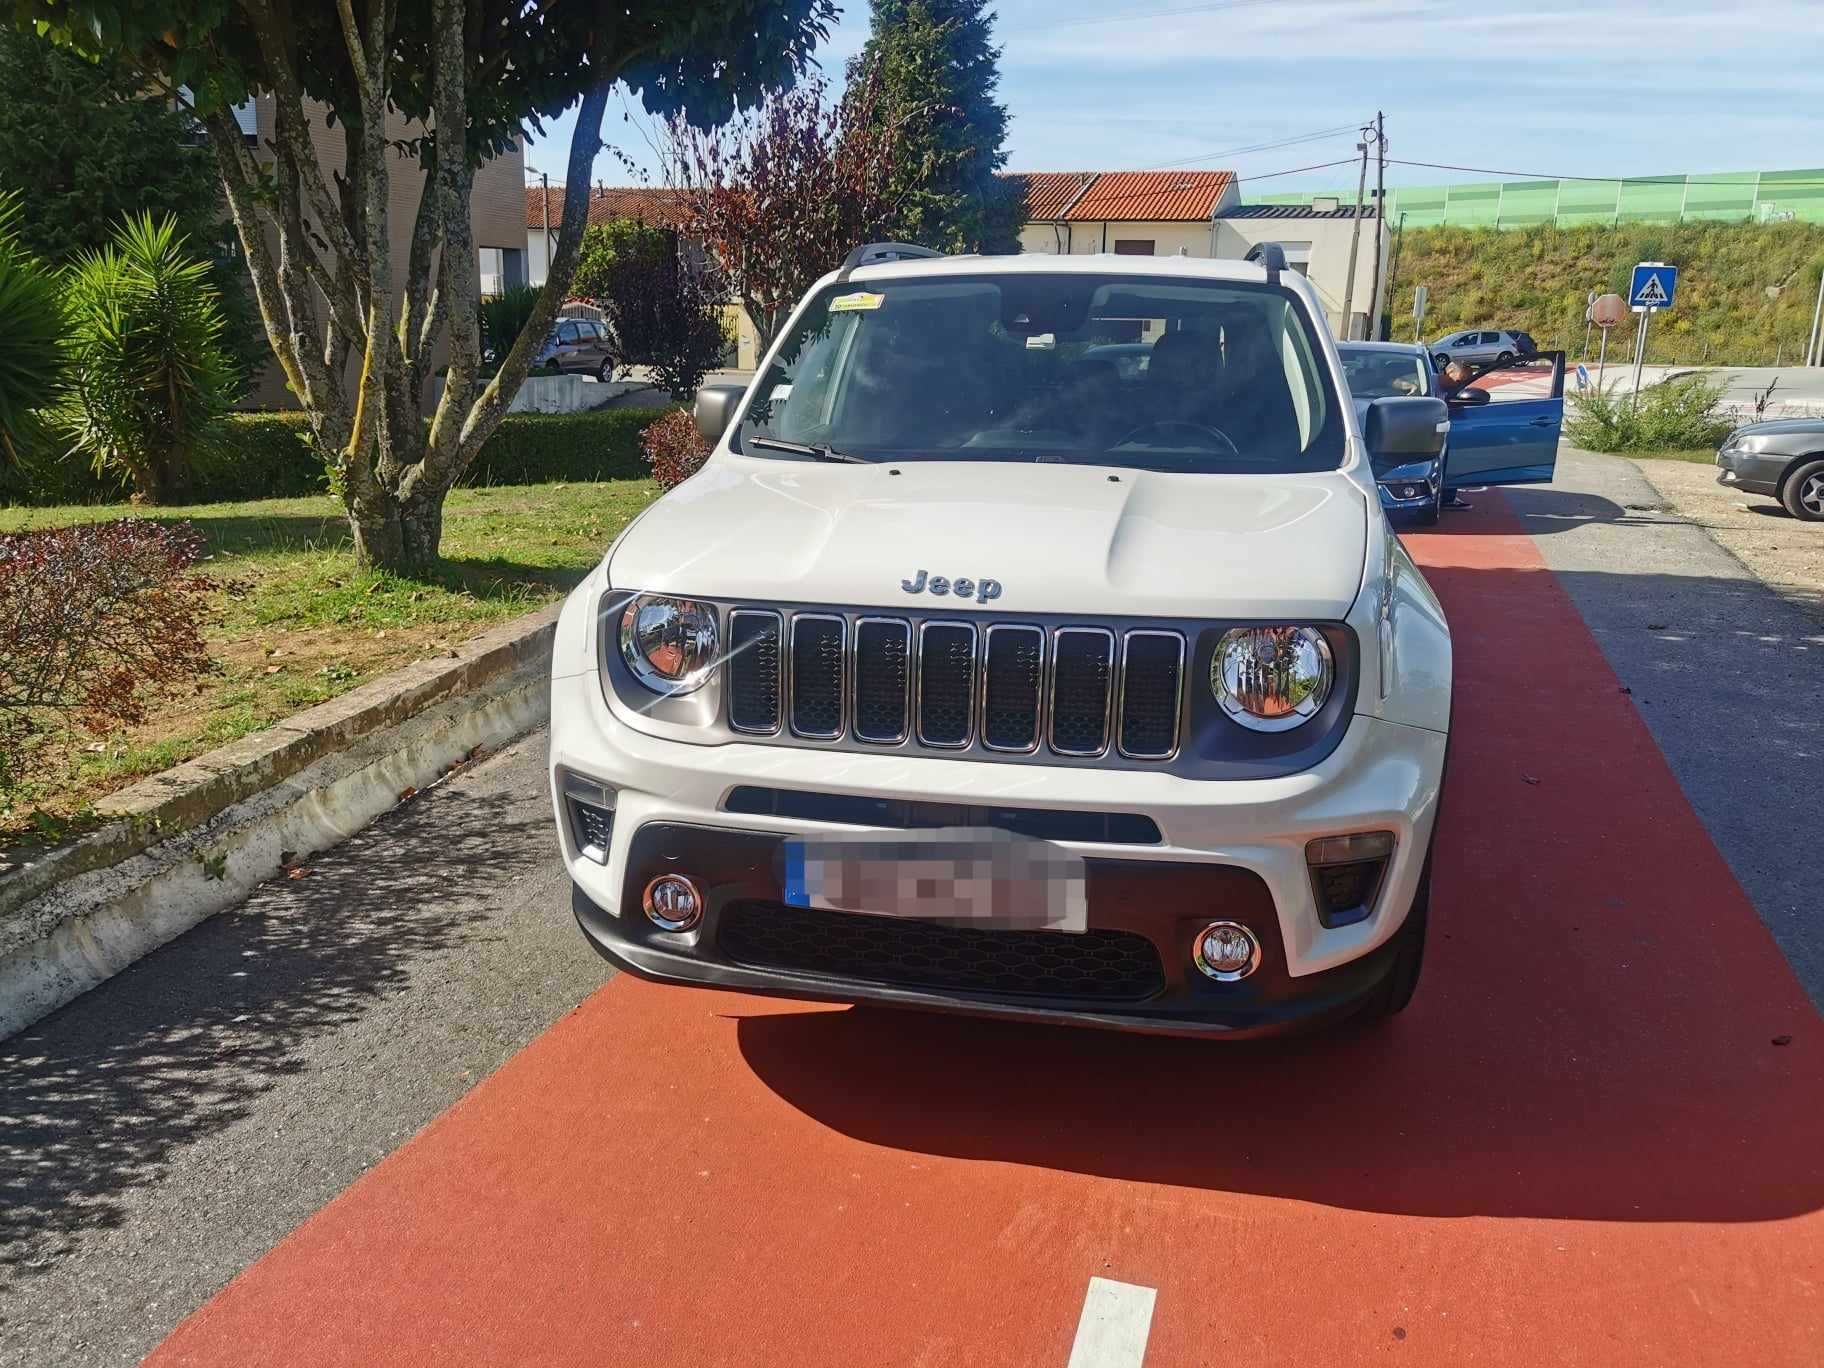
(421, 528)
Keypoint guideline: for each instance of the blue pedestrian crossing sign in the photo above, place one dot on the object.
(1654, 285)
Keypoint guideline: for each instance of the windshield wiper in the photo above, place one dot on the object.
(819, 451)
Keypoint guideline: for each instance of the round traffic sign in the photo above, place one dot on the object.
(1608, 310)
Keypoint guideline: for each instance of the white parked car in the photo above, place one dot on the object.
(973, 673)
(1483, 345)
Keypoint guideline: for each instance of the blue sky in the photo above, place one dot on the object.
(1625, 87)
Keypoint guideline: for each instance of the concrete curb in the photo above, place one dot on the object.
(184, 844)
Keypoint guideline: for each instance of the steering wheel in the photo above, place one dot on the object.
(1180, 425)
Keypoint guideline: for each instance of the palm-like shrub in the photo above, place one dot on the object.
(150, 377)
(31, 340)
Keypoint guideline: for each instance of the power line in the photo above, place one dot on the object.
(1319, 136)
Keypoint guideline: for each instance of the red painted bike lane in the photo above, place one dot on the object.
(1579, 1146)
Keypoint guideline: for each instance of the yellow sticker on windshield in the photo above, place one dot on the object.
(851, 303)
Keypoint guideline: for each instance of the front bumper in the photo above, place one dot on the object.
(1409, 488)
(1752, 472)
(1224, 849)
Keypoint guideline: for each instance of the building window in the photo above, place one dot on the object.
(1133, 247)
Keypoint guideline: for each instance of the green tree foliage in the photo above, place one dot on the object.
(86, 145)
(938, 71)
(663, 306)
(420, 95)
(31, 340)
(1745, 295)
(149, 379)
(502, 318)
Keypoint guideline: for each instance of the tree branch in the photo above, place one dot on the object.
(585, 143)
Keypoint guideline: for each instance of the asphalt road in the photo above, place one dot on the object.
(163, 1133)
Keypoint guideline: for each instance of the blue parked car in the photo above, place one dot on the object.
(1504, 420)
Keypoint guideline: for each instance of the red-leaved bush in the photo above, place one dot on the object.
(96, 621)
(673, 448)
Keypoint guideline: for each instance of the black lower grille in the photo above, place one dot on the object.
(1096, 966)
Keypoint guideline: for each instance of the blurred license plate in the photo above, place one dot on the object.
(967, 876)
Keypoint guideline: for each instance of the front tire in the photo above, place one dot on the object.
(1394, 992)
(1803, 492)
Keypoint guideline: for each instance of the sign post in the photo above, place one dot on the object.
(1653, 288)
(1606, 311)
(1421, 300)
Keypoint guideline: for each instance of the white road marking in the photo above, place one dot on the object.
(1112, 1331)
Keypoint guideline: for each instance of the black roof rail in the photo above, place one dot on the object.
(1272, 256)
(873, 253)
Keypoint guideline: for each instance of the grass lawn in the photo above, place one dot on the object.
(304, 624)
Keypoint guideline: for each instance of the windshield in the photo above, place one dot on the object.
(1126, 371)
(1383, 375)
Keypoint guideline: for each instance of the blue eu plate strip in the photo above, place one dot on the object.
(795, 892)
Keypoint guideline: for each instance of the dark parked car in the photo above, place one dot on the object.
(580, 345)
(1783, 459)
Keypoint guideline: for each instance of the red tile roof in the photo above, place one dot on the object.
(657, 207)
(1152, 196)
(1049, 193)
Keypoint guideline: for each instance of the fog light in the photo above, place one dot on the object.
(673, 903)
(1227, 951)
(1346, 874)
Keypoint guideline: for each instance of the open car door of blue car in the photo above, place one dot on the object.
(1505, 421)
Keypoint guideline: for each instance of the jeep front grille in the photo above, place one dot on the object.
(1083, 692)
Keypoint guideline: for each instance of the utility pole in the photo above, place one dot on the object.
(1355, 238)
(1379, 293)
(544, 180)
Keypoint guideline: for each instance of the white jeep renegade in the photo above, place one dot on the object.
(976, 671)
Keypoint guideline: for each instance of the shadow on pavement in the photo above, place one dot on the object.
(1606, 1031)
(93, 1104)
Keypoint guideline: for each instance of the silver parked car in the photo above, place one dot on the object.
(1479, 345)
(1783, 459)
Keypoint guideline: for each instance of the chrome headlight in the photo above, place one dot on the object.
(669, 643)
(1272, 679)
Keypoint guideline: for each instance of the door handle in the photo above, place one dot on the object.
(1542, 422)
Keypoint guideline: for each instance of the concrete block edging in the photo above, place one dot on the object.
(180, 846)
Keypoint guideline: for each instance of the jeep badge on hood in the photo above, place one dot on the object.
(962, 586)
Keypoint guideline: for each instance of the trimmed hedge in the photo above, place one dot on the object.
(272, 456)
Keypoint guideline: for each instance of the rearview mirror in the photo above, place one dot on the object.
(715, 409)
(1410, 429)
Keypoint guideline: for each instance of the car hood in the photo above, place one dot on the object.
(1055, 538)
(1783, 427)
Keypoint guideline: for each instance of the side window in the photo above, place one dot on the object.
(1489, 339)
(1518, 381)
(566, 332)
(1466, 340)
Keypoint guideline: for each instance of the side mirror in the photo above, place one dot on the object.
(1469, 398)
(1440, 359)
(715, 408)
(1402, 430)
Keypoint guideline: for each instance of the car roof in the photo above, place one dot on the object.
(1044, 263)
(1398, 348)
